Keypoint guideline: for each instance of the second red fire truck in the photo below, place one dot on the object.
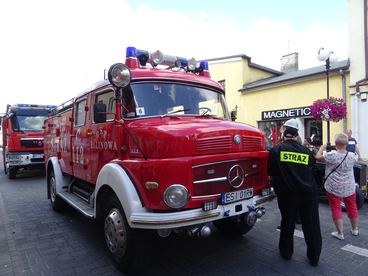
(153, 149)
(22, 137)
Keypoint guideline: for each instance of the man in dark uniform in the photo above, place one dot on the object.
(291, 170)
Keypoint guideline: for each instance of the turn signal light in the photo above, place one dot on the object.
(151, 185)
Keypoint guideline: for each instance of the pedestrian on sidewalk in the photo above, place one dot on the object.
(352, 144)
(340, 184)
(291, 169)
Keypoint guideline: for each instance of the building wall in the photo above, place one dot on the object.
(235, 72)
(359, 104)
(296, 93)
(356, 39)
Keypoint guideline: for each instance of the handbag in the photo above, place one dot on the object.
(335, 168)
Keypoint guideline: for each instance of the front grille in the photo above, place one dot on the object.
(31, 143)
(211, 179)
(214, 143)
(251, 143)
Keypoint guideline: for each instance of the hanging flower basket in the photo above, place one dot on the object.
(331, 109)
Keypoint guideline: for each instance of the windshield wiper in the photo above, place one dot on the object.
(176, 111)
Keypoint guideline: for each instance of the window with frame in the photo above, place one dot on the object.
(313, 132)
(80, 113)
(108, 99)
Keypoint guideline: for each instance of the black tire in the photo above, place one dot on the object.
(359, 199)
(12, 173)
(57, 203)
(129, 247)
(234, 226)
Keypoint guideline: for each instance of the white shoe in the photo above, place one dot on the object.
(337, 235)
(354, 232)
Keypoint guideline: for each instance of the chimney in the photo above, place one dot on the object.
(289, 63)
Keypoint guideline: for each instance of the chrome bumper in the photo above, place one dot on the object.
(149, 220)
(24, 159)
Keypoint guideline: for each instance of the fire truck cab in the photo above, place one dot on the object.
(22, 136)
(153, 149)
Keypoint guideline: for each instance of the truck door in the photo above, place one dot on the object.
(80, 137)
(102, 140)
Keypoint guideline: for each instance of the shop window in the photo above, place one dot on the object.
(272, 132)
(313, 132)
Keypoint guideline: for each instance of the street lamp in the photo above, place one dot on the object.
(328, 57)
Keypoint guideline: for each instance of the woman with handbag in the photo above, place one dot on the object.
(340, 184)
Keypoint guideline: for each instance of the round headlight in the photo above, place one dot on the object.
(176, 196)
(192, 64)
(157, 58)
(119, 75)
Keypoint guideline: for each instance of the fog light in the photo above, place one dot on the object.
(192, 64)
(164, 233)
(209, 205)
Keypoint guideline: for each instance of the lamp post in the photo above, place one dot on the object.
(328, 57)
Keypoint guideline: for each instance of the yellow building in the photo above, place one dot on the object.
(266, 98)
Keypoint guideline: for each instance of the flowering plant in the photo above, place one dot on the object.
(331, 109)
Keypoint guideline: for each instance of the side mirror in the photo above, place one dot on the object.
(234, 115)
(99, 112)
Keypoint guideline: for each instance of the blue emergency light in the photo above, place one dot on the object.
(22, 105)
(35, 105)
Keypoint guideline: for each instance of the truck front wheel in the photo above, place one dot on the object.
(234, 226)
(129, 247)
(12, 173)
(56, 202)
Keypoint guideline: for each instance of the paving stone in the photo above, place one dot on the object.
(35, 240)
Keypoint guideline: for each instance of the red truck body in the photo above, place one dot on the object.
(157, 153)
(22, 137)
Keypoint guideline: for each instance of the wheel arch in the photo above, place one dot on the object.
(54, 166)
(113, 180)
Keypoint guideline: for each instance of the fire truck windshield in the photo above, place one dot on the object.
(28, 120)
(28, 123)
(165, 99)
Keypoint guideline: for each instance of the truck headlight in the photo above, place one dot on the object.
(176, 196)
(14, 156)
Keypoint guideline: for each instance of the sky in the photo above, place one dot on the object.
(52, 50)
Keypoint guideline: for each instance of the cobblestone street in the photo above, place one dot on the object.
(34, 240)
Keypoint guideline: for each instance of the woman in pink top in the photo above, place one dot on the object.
(340, 184)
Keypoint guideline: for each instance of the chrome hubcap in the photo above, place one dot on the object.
(115, 232)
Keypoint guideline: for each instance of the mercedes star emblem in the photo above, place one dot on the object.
(237, 139)
(236, 176)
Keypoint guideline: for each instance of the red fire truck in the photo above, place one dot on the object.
(153, 149)
(22, 136)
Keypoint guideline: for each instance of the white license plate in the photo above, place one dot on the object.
(230, 197)
(40, 155)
